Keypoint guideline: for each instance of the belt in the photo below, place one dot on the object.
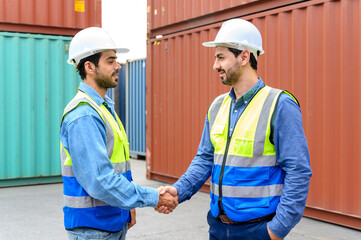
(224, 219)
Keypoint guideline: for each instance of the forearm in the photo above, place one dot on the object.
(117, 191)
(193, 179)
(94, 171)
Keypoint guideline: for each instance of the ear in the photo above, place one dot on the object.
(89, 68)
(245, 57)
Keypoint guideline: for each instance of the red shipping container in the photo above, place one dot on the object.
(169, 16)
(313, 50)
(59, 17)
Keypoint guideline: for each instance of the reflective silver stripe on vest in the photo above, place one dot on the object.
(82, 202)
(67, 171)
(119, 168)
(215, 106)
(261, 129)
(248, 192)
(238, 161)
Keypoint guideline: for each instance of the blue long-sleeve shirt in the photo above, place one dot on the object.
(291, 152)
(83, 134)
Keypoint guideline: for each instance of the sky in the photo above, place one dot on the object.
(126, 21)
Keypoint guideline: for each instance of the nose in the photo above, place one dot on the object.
(118, 66)
(216, 65)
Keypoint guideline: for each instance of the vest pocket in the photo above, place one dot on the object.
(243, 147)
(218, 136)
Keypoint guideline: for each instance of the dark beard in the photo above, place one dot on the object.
(232, 76)
(104, 82)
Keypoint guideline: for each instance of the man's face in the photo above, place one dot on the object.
(227, 65)
(107, 70)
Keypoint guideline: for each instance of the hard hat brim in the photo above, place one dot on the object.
(232, 45)
(122, 50)
(210, 44)
(117, 50)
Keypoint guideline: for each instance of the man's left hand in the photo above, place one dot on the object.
(272, 235)
(132, 219)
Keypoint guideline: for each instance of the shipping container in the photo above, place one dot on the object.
(136, 112)
(120, 95)
(312, 49)
(131, 104)
(59, 17)
(169, 16)
(36, 83)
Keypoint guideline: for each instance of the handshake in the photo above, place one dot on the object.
(168, 199)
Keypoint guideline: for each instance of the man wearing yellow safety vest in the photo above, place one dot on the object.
(99, 198)
(253, 146)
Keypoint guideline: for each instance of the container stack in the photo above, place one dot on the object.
(36, 83)
(131, 104)
(312, 49)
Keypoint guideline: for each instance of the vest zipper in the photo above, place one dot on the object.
(220, 205)
(221, 174)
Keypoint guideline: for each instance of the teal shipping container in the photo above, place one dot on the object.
(36, 83)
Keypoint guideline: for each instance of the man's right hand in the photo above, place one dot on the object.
(165, 191)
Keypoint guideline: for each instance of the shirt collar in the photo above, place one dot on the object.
(249, 94)
(94, 95)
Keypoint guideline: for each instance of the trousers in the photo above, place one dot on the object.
(93, 234)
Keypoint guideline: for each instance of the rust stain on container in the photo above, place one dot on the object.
(60, 17)
(311, 49)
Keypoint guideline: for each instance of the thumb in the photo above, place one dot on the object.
(162, 190)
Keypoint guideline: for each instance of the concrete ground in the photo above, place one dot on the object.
(35, 212)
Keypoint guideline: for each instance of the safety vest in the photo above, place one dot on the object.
(246, 180)
(80, 209)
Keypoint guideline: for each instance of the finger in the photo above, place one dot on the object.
(162, 190)
(161, 209)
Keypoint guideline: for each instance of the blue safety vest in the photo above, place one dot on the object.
(246, 180)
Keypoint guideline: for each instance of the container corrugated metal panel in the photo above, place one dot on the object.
(58, 17)
(35, 83)
(169, 16)
(311, 49)
(120, 95)
(136, 106)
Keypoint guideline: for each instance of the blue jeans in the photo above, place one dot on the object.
(92, 234)
(249, 231)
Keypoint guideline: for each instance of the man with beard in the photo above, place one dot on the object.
(99, 198)
(253, 146)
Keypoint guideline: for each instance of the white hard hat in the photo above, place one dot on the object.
(239, 34)
(90, 41)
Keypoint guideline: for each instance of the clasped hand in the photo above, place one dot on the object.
(168, 199)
